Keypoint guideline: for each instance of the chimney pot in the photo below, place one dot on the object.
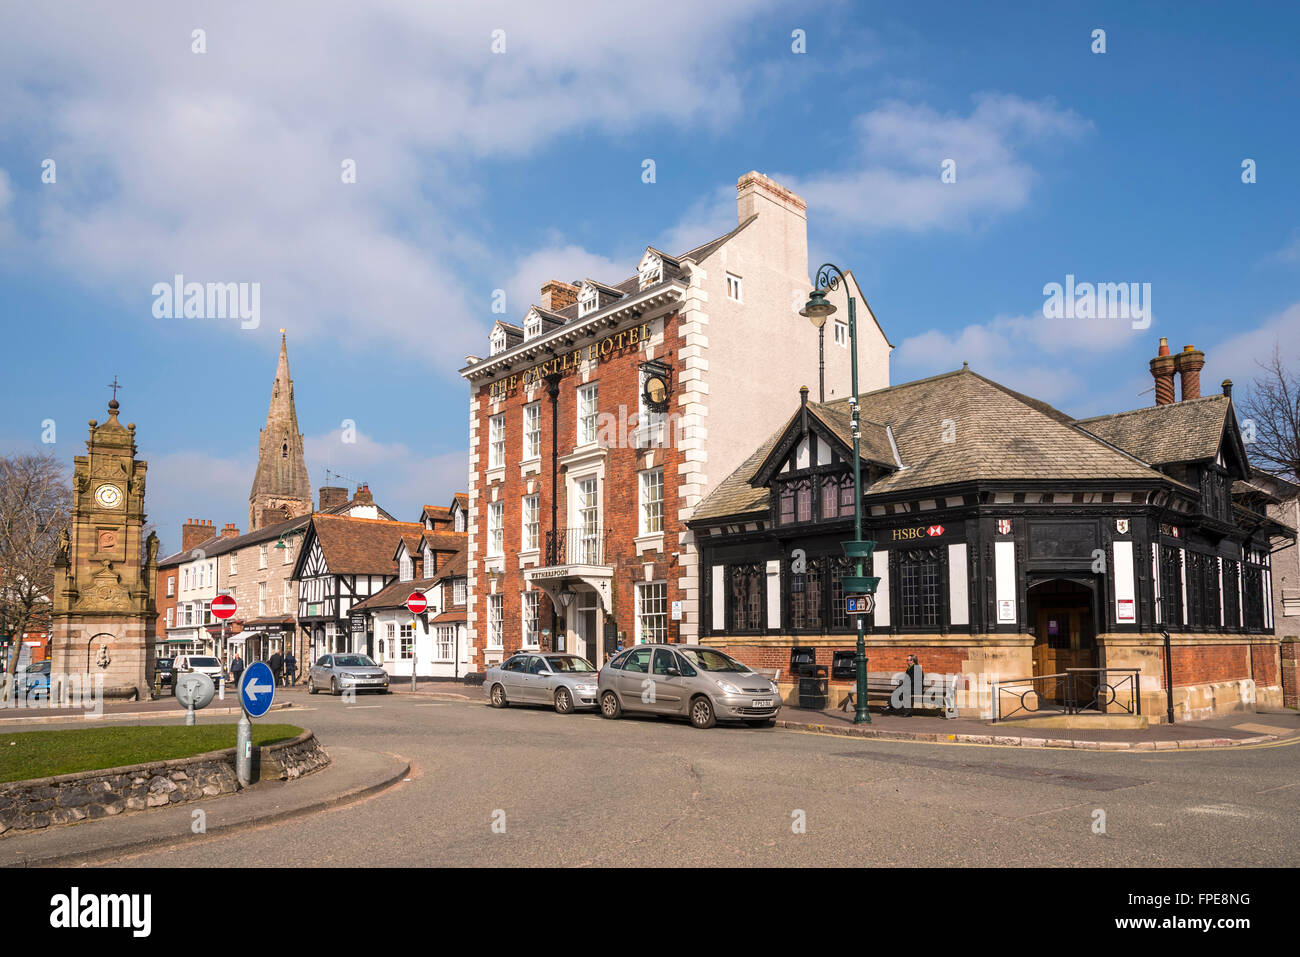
(1189, 364)
(1162, 370)
(1227, 388)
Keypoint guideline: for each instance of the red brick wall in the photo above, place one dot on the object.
(1207, 663)
(945, 660)
(1264, 664)
(619, 379)
(163, 603)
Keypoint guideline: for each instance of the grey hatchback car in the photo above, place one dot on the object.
(566, 682)
(689, 681)
(338, 673)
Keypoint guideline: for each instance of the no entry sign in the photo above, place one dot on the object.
(223, 606)
(416, 603)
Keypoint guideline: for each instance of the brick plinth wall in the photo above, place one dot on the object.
(1291, 671)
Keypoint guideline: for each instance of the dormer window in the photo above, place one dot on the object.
(498, 342)
(407, 568)
(588, 299)
(429, 563)
(651, 270)
(532, 326)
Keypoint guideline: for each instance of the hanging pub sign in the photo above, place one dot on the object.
(358, 624)
(657, 385)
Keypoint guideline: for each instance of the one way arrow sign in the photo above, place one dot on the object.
(257, 689)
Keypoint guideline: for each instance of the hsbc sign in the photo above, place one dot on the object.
(918, 532)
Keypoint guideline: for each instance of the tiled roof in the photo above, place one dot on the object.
(394, 595)
(361, 546)
(1187, 431)
(875, 445)
(996, 434)
(449, 616)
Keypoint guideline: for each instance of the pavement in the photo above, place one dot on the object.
(353, 773)
(1235, 730)
(38, 713)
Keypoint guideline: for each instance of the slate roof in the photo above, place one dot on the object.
(1187, 431)
(394, 595)
(361, 546)
(998, 433)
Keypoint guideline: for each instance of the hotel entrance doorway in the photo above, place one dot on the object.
(1065, 636)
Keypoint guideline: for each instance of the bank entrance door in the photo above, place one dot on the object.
(1065, 636)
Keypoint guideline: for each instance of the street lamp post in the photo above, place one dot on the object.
(817, 310)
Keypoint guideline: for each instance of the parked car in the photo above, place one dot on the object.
(340, 672)
(162, 669)
(690, 681)
(563, 681)
(36, 680)
(203, 664)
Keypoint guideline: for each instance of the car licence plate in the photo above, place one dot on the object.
(762, 703)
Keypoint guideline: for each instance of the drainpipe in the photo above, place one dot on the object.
(1169, 678)
(553, 390)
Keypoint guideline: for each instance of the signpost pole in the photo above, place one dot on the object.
(244, 750)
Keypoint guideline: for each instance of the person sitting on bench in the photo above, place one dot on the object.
(911, 685)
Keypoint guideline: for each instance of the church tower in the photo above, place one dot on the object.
(281, 490)
(103, 616)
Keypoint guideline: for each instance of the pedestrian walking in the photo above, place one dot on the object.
(290, 669)
(276, 664)
(236, 668)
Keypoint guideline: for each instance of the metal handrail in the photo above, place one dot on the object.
(1028, 707)
(1104, 692)
(577, 546)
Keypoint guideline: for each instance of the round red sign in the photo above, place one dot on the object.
(223, 606)
(416, 603)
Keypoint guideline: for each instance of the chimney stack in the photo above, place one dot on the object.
(556, 295)
(363, 495)
(230, 530)
(193, 532)
(1162, 369)
(332, 496)
(1189, 363)
(1227, 388)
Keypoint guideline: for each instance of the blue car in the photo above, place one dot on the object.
(36, 680)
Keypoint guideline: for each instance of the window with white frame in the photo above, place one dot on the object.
(841, 333)
(530, 533)
(261, 556)
(494, 621)
(588, 299)
(589, 546)
(287, 552)
(588, 412)
(232, 565)
(261, 599)
(652, 501)
(498, 342)
(497, 441)
(408, 641)
(171, 586)
(445, 636)
(287, 598)
(652, 612)
(530, 625)
(430, 563)
(496, 544)
(458, 591)
(532, 431)
(460, 520)
(532, 326)
(169, 617)
(733, 287)
(387, 646)
(407, 567)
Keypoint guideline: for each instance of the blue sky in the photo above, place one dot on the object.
(478, 171)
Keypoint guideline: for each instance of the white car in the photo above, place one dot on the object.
(203, 664)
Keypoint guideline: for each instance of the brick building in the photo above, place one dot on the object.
(1012, 541)
(600, 421)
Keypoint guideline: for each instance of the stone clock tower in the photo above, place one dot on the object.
(103, 617)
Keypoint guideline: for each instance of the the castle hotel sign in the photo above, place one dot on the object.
(562, 365)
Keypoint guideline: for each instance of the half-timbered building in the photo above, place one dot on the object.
(1012, 540)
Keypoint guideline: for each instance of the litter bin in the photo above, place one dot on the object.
(813, 687)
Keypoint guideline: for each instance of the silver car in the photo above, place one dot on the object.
(341, 672)
(688, 681)
(566, 682)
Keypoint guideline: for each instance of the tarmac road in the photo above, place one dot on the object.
(582, 790)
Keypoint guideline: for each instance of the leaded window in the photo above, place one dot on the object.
(1231, 600)
(1252, 595)
(807, 597)
(746, 588)
(918, 588)
(1171, 586)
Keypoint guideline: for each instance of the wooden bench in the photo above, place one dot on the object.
(881, 684)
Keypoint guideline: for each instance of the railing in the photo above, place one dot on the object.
(1073, 691)
(577, 546)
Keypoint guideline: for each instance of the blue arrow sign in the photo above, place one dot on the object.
(257, 689)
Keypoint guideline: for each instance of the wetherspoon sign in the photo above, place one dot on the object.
(560, 365)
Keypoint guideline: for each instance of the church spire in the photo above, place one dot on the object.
(281, 489)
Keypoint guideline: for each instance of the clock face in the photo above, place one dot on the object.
(108, 496)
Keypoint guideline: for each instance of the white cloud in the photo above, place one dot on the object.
(400, 478)
(225, 166)
(568, 263)
(894, 182)
(1237, 357)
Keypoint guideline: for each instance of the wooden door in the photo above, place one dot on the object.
(1065, 640)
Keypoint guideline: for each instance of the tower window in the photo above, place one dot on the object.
(284, 451)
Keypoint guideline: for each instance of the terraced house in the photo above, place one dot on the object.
(1013, 541)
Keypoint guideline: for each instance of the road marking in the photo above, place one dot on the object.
(1279, 787)
(428, 706)
(361, 707)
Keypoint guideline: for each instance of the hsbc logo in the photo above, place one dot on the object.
(934, 530)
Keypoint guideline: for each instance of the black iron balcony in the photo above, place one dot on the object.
(576, 546)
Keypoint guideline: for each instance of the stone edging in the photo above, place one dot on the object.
(90, 795)
(1026, 742)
